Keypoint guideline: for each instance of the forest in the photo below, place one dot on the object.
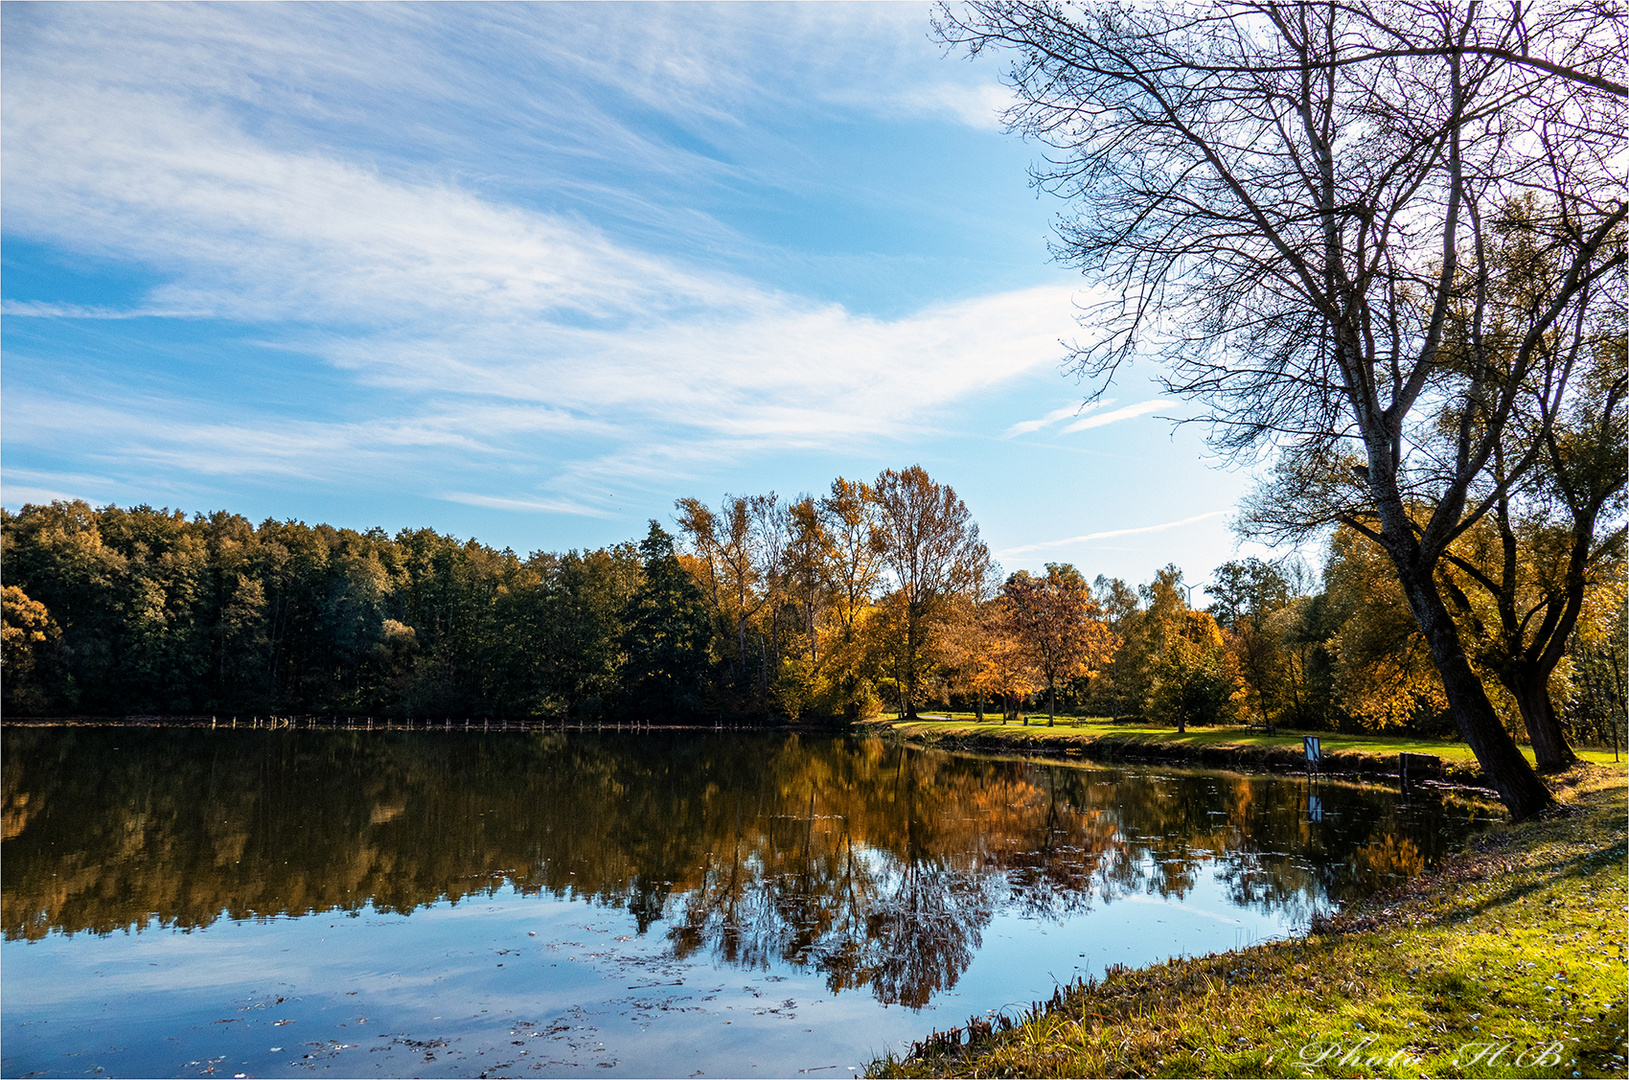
(873, 596)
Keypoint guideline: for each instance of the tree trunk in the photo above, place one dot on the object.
(1531, 687)
(1519, 787)
(908, 684)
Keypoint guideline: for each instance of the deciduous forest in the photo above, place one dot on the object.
(872, 596)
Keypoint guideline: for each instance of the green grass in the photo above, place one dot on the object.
(1082, 732)
(1509, 960)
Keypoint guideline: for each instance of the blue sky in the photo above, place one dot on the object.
(529, 274)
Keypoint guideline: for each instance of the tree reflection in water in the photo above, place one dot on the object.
(879, 866)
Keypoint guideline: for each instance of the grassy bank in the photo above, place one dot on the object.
(1509, 960)
(1104, 740)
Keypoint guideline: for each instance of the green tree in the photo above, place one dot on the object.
(667, 637)
(1248, 596)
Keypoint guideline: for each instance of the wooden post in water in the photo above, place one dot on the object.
(1412, 768)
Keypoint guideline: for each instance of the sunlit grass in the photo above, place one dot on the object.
(1509, 960)
(1082, 731)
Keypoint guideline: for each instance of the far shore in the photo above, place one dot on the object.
(1240, 748)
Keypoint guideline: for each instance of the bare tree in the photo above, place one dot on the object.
(1292, 201)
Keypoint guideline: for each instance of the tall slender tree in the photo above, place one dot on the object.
(932, 549)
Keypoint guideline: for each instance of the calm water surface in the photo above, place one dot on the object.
(181, 903)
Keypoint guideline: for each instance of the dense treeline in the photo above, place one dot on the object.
(144, 610)
(873, 596)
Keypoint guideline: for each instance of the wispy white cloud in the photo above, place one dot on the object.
(141, 432)
(1125, 413)
(191, 145)
(30, 309)
(977, 105)
(1024, 427)
(429, 289)
(550, 506)
(13, 494)
(1109, 534)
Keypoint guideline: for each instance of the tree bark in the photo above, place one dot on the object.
(1519, 787)
(1531, 687)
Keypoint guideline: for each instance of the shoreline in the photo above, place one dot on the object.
(1508, 959)
(1240, 750)
(335, 723)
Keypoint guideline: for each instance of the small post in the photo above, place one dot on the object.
(1412, 767)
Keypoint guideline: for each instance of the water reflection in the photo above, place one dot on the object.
(877, 866)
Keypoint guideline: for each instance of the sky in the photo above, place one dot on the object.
(530, 274)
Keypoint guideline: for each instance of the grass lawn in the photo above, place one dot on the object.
(1085, 730)
(1508, 960)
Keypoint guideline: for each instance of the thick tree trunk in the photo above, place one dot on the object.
(1519, 787)
(1531, 687)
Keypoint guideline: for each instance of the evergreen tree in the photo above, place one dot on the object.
(668, 630)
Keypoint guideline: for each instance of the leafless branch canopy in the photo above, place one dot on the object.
(1342, 226)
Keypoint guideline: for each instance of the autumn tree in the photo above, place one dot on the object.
(1597, 707)
(1383, 670)
(1290, 199)
(1248, 597)
(30, 645)
(1519, 578)
(931, 549)
(1054, 619)
(852, 573)
(734, 565)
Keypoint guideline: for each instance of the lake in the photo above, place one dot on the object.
(180, 902)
